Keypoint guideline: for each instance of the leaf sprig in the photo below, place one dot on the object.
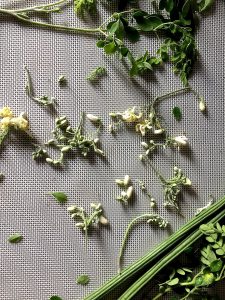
(191, 285)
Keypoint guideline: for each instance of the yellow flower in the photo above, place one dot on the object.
(131, 115)
(6, 112)
(143, 127)
(5, 122)
(20, 122)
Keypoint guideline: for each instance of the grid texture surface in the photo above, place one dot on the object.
(52, 253)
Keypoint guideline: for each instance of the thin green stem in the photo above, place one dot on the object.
(150, 274)
(173, 93)
(126, 237)
(33, 8)
(51, 26)
(158, 296)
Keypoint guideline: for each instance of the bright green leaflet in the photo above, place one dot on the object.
(59, 196)
(83, 279)
(15, 238)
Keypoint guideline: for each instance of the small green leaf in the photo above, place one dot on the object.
(219, 228)
(15, 238)
(59, 196)
(55, 298)
(147, 22)
(132, 34)
(124, 51)
(177, 113)
(210, 239)
(180, 271)
(216, 265)
(110, 48)
(220, 252)
(205, 5)
(100, 43)
(173, 282)
(83, 279)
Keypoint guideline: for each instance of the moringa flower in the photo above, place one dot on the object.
(5, 123)
(6, 112)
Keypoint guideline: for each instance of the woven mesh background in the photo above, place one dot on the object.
(52, 253)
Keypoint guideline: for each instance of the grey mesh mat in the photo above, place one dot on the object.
(52, 254)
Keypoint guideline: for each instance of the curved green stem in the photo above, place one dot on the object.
(126, 237)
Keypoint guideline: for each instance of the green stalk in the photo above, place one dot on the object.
(143, 280)
(156, 252)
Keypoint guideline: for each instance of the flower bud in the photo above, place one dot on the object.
(80, 225)
(65, 149)
(202, 105)
(145, 145)
(72, 208)
(188, 182)
(96, 140)
(130, 192)
(181, 140)
(49, 160)
(158, 131)
(119, 182)
(126, 180)
(103, 220)
(93, 118)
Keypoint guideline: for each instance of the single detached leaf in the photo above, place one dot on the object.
(55, 298)
(59, 196)
(180, 271)
(216, 265)
(15, 238)
(177, 113)
(83, 279)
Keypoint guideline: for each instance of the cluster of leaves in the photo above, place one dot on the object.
(191, 283)
(179, 46)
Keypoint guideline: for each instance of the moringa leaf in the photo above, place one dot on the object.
(177, 113)
(59, 196)
(83, 279)
(15, 238)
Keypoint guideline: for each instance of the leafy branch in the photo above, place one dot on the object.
(178, 47)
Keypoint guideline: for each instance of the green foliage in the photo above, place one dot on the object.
(82, 6)
(211, 268)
